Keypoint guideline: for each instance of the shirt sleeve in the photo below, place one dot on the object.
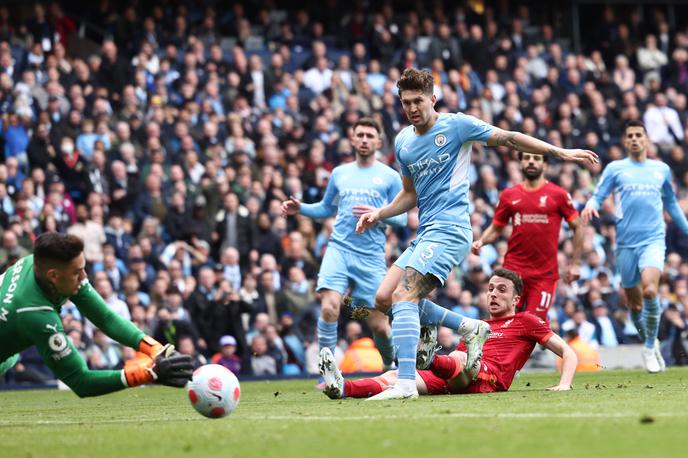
(398, 144)
(473, 129)
(44, 329)
(93, 306)
(328, 205)
(503, 211)
(604, 187)
(392, 191)
(671, 203)
(536, 328)
(566, 208)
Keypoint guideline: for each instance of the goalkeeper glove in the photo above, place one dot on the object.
(168, 368)
(149, 346)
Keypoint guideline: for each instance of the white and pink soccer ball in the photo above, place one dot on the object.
(214, 391)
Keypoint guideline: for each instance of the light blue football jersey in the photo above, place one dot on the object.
(641, 189)
(438, 162)
(350, 185)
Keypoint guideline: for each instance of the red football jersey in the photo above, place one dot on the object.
(510, 344)
(536, 220)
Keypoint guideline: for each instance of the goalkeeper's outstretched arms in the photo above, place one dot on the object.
(164, 365)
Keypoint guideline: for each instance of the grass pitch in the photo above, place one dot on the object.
(609, 414)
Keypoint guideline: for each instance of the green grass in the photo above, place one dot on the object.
(609, 414)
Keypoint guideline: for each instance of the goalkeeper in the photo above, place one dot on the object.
(32, 293)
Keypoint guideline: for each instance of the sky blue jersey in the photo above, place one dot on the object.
(350, 185)
(641, 192)
(438, 162)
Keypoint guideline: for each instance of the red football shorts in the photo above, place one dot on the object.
(537, 296)
(486, 382)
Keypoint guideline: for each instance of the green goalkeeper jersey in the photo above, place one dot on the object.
(28, 317)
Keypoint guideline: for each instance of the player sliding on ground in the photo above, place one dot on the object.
(351, 260)
(434, 156)
(32, 292)
(507, 349)
(642, 190)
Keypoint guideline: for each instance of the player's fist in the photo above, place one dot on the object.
(291, 206)
(361, 209)
(587, 214)
(476, 246)
(367, 220)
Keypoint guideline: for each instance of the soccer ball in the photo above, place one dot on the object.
(214, 391)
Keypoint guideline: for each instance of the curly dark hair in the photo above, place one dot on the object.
(512, 276)
(415, 80)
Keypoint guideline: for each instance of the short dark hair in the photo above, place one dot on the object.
(52, 248)
(416, 80)
(512, 276)
(368, 122)
(633, 123)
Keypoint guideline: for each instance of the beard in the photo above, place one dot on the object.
(532, 174)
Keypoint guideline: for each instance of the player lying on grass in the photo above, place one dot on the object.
(32, 292)
(507, 349)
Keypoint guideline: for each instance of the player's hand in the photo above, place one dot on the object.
(573, 273)
(587, 214)
(171, 368)
(559, 387)
(291, 206)
(361, 209)
(476, 246)
(367, 220)
(579, 156)
(151, 347)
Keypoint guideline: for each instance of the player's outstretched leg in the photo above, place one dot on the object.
(474, 332)
(405, 332)
(334, 382)
(427, 345)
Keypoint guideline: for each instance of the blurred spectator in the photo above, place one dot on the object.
(227, 356)
(261, 362)
(185, 346)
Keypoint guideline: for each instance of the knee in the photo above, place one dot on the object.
(649, 292)
(329, 311)
(383, 302)
(400, 294)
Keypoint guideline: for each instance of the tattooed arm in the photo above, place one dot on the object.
(528, 144)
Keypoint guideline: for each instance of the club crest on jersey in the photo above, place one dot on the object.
(543, 201)
(657, 175)
(440, 140)
(377, 180)
(507, 323)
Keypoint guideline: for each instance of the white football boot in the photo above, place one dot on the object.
(427, 346)
(332, 378)
(650, 360)
(475, 339)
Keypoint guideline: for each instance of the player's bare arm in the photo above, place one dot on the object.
(573, 272)
(403, 202)
(557, 345)
(491, 234)
(528, 144)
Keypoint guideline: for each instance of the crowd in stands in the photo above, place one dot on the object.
(170, 147)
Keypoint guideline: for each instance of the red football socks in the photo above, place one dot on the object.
(363, 388)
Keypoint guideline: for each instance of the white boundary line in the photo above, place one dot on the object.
(428, 416)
